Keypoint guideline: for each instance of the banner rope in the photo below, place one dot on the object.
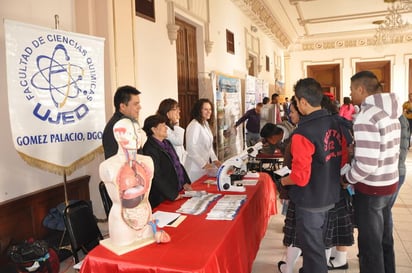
(60, 170)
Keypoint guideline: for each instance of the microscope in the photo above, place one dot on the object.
(234, 169)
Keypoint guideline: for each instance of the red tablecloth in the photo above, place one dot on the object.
(199, 245)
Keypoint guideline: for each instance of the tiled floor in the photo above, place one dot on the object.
(271, 248)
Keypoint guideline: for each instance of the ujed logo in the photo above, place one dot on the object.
(60, 80)
(57, 76)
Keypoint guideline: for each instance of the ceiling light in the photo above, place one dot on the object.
(392, 28)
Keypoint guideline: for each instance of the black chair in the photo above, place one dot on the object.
(107, 202)
(82, 228)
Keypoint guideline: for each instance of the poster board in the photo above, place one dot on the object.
(227, 101)
(250, 92)
(255, 90)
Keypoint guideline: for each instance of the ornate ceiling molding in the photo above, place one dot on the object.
(348, 43)
(260, 14)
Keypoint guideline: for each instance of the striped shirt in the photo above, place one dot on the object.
(377, 137)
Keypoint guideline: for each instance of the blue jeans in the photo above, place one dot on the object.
(252, 138)
(395, 195)
(375, 241)
(310, 232)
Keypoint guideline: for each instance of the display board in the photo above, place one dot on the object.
(227, 100)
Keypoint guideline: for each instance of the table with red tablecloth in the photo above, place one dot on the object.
(199, 245)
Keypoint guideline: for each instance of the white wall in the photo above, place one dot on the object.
(156, 61)
(225, 15)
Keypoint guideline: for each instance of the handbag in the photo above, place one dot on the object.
(31, 256)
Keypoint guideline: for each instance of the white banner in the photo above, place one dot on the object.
(55, 82)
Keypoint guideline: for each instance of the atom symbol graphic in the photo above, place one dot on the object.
(58, 76)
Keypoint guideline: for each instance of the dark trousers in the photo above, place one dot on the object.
(375, 241)
(410, 124)
(310, 232)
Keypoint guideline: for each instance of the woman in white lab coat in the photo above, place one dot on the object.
(199, 141)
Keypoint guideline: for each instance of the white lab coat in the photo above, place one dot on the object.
(199, 147)
(176, 137)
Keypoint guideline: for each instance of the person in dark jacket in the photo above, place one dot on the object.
(315, 175)
(169, 177)
(252, 118)
(127, 105)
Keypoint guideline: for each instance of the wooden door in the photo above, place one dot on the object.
(328, 75)
(382, 70)
(188, 89)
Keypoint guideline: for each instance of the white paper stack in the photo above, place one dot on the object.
(227, 207)
(198, 204)
(194, 193)
(164, 218)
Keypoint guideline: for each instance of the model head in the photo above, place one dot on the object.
(124, 132)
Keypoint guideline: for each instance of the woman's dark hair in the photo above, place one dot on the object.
(329, 105)
(165, 106)
(294, 102)
(153, 121)
(346, 100)
(196, 112)
(270, 129)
